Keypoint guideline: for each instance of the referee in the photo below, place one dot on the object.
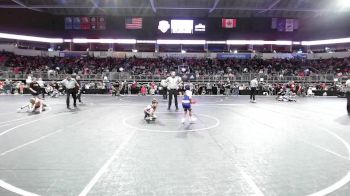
(347, 86)
(253, 85)
(172, 84)
(71, 84)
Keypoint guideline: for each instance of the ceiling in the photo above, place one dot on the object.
(185, 8)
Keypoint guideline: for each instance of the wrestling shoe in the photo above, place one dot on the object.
(193, 120)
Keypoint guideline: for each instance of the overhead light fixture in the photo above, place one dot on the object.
(134, 50)
(324, 42)
(105, 41)
(183, 51)
(257, 42)
(146, 41)
(125, 41)
(30, 38)
(216, 42)
(185, 42)
(344, 3)
(193, 42)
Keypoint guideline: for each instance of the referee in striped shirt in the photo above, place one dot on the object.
(172, 84)
(71, 87)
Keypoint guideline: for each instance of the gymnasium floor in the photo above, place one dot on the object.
(235, 148)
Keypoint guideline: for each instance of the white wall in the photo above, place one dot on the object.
(30, 52)
(329, 55)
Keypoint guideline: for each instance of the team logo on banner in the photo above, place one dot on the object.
(199, 27)
(164, 26)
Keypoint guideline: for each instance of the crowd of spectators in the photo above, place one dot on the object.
(162, 66)
(153, 88)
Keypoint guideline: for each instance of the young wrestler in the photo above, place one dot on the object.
(186, 104)
(150, 110)
(34, 105)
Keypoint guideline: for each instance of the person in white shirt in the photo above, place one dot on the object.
(72, 87)
(172, 84)
(253, 85)
(347, 85)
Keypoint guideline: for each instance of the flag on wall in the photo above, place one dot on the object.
(84, 22)
(76, 22)
(68, 23)
(285, 24)
(289, 25)
(133, 23)
(229, 23)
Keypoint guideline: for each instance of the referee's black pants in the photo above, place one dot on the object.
(173, 92)
(252, 93)
(72, 92)
(348, 104)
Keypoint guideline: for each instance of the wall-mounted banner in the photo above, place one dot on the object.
(231, 56)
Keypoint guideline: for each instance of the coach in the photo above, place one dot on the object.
(71, 84)
(34, 87)
(172, 84)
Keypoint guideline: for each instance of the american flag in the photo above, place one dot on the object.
(133, 23)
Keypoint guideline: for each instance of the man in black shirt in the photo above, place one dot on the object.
(347, 93)
(35, 88)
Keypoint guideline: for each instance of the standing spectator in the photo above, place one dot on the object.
(1, 87)
(348, 95)
(143, 90)
(215, 89)
(129, 88)
(235, 89)
(164, 89)
(227, 88)
(253, 86)
(79, 88)
(8, 86)
(152, 89)
(209, 88)
(116, 89)
(21, 88)
(29, 80)
(42, 87)
(134, 88)
(34, 87)
(173, 85)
